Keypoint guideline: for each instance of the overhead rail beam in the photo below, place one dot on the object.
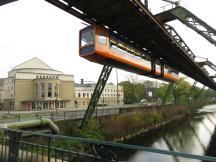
(190, 20)
(3, 2)
(132, 22)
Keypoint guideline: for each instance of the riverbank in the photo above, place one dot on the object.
(129, 124)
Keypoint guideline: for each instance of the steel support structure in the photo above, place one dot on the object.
(191, 91)
(178, 39)
(201, 92)
(190, 20)
(176, 3)
(207, 63)
(105, 73)
(168, 91)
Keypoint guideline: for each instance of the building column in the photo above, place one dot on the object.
(42, 105)
(31, 105)
(58, 90)
(35, 105)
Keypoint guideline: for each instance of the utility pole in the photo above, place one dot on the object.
(117, 87)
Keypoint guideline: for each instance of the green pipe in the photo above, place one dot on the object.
(33, 123)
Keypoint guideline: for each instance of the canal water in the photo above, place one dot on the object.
(195, 135)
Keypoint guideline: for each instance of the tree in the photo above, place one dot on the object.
(129, 96)
(133, 89)
(181, 90)
(161, 91)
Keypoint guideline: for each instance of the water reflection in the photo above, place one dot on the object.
(195, 135)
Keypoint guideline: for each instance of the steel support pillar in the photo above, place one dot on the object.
(201, 93)
(162, 69)
(169, 90)
(146, 3)
(105, 73)
(191, 91)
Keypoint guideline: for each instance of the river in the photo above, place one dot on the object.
(195, 135)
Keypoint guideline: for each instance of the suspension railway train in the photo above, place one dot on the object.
(98, 45)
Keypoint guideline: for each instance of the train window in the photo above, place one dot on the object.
(87, 37)
(102, 38)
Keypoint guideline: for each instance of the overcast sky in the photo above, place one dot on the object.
(35, 28)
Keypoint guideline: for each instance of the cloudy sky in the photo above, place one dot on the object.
(35, 28)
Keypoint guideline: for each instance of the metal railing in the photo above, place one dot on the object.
(56, 148)
(59, 114)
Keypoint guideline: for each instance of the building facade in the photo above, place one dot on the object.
(1, 92)
(33, 85)
(109, 96)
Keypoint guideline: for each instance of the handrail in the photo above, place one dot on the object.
(118, 145)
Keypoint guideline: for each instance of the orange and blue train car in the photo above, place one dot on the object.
(96, 45)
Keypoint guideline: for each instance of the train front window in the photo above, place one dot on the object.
(102, 38)
(87, 37)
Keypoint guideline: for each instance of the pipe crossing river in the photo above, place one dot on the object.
(195, 135)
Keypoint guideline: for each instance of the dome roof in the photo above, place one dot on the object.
(35, 65)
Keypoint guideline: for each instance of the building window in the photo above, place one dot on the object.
(84, 94)
(87, 95)
(79, 95)
(49, 89)
(42, 89)
(61, 104)
(102, 39)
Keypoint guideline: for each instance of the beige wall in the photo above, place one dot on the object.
(67, 92)
(108, 96)
(24, 90)
(83, 102)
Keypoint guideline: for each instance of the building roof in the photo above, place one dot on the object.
(33, 63)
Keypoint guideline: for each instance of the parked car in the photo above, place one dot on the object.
(144, 102)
